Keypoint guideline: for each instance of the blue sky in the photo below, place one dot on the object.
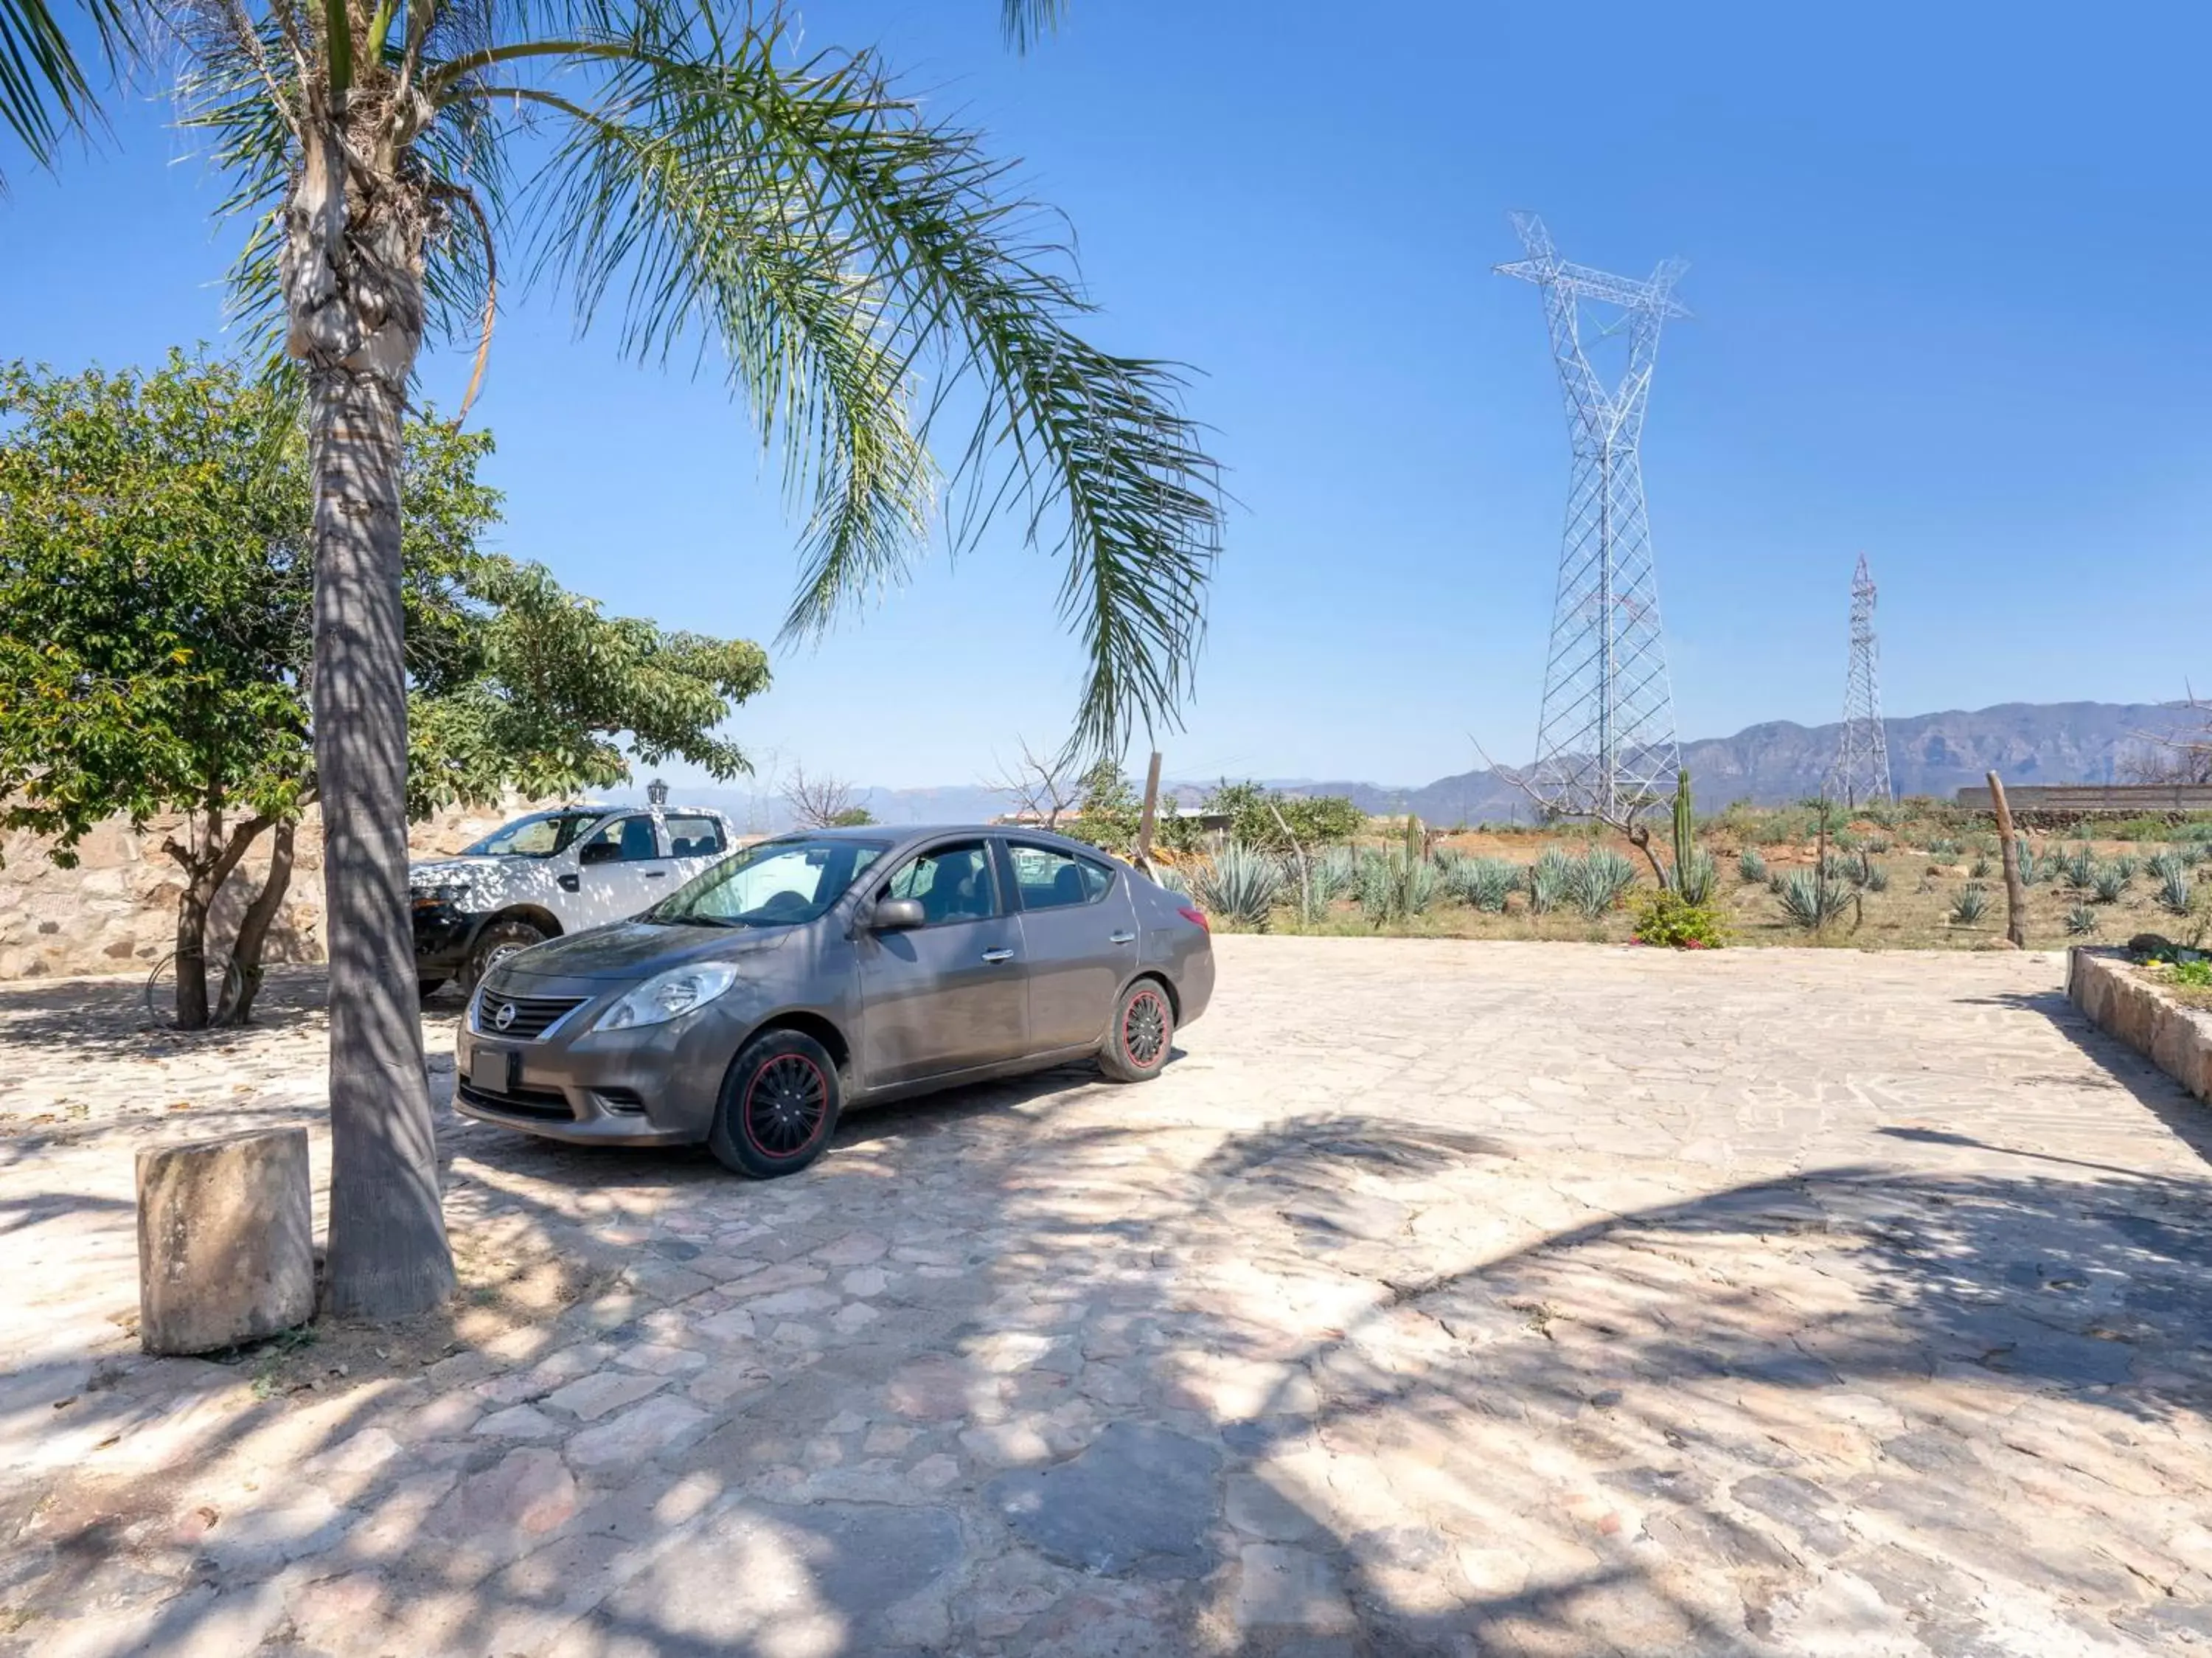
(1945, 265)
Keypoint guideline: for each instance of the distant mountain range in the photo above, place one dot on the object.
(1779, 761)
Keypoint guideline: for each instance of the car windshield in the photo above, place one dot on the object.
(538, 836)
(778, 883)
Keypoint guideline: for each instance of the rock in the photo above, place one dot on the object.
(1139, 1500)
(226, 1241)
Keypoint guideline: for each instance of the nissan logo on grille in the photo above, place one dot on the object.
(504, 1017)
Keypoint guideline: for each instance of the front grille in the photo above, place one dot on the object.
(547, 1103)
(533, 1015)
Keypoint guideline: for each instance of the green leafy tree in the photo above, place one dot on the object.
(1269, 819)
(868, 273)
(157, 651)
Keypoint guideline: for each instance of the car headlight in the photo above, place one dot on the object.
(440, 897)
(668, 996)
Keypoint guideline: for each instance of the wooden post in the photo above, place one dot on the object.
(2008, 851)
(1145, 824)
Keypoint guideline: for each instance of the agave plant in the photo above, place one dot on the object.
(1601, 881)
(2030, 870)
(1551, 881)
(1979, 870)
(1877, 878)
(1877, 843)
(1810, 902)
(1484, 882)
(2080, 920)
(2127, 864)
(1238, 885)
(2078, 869)
(1972, 904)
(1945, 850)
(2174, 891)
(1751, 867)
(2166, 863)
(2110, 881)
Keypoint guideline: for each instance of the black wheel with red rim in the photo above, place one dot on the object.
(1142, 1035)
(779, 1105)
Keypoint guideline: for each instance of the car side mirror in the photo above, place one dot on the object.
(894, 915)
(598, 851)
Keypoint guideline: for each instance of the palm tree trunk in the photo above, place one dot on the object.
(353, 280)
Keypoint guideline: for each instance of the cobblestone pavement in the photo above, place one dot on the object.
(1441, 1297)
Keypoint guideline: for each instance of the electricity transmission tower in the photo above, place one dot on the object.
(1605, 737)
(1863, 756)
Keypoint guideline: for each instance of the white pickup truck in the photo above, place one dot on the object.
(553, 873)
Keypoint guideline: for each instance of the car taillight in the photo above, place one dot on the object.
(1197, 917)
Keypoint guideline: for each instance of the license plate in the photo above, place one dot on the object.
(491, 1070)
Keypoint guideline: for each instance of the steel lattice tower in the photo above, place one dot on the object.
(1605, 739)
(1863, 756)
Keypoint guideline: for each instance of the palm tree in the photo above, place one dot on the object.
(867, 277)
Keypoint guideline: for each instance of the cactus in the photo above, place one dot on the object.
(1417, 843)
(1686, 832)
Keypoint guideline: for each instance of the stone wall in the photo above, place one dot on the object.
(2177, 1040)
(117, 911)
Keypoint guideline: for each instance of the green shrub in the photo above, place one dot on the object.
(2196, 973)
(1665, 919)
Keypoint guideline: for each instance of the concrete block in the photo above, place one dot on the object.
(226, 1241)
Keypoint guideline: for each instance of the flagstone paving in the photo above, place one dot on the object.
(1441, 1298)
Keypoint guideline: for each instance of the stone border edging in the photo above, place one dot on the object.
(2175, 1039)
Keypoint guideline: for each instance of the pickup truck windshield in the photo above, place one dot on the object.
(778, 883)
(539, 836)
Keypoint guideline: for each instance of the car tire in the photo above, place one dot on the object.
(779, 1106)
(426, 987)
(1137, 1044)
(494, 944)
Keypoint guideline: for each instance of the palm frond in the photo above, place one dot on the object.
(1028, 21)
(45, 92)
(839, 245)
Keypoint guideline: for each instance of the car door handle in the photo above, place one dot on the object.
(997, 956)
(656, 874)
(1120, 938)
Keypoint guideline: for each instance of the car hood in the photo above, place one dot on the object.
(463, 871)
(633, 950)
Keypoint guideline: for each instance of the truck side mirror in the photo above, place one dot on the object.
(894, 915)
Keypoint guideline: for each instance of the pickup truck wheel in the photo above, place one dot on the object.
(495, 944)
